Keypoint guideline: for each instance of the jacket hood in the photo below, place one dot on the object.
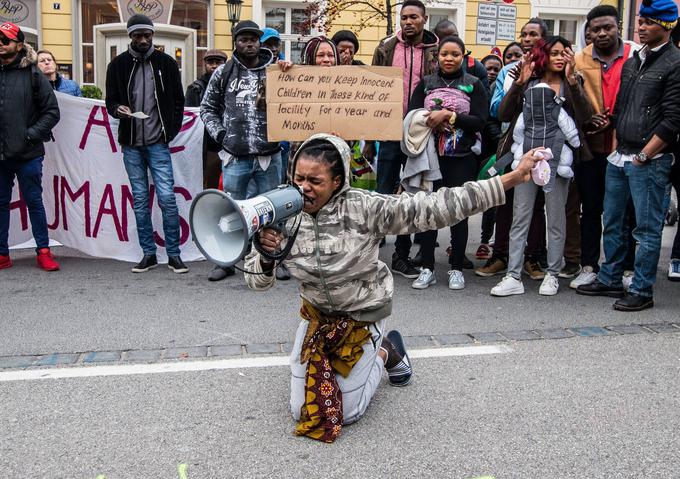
(25, 58)
(429, 39)
(345, 154)
(264, 59)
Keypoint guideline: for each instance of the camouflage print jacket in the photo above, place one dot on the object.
(335, 256)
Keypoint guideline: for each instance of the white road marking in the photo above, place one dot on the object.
(216, 364)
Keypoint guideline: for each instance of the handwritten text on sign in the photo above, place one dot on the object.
(355, 102)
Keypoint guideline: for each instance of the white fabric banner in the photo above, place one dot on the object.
(86, 191)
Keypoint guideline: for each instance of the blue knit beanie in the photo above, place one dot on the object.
(663, 12)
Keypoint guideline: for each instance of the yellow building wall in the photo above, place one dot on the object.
(222, 27)
(57, 29)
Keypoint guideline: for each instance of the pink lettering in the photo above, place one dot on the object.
(108, 206)
(82, 191)
(104, 121)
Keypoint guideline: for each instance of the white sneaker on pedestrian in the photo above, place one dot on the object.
(508, 286)
(456, 279)
(586, 276)
(627, 279)
(549, 286)
(425, 279)
(674, 270)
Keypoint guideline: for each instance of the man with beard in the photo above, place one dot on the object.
(145, 80)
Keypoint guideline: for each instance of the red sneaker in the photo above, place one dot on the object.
(46, 260)
(5, 261)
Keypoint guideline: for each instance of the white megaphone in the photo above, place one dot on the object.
(222, 227)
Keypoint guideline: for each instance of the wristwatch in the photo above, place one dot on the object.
(642, 157)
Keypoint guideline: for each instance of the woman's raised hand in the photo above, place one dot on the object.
(570, 66)
(526, 69)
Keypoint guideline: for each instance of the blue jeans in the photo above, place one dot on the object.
(155, 158)
(29, 175)
(646, 186)
(240, 170)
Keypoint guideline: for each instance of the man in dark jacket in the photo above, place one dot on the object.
(212, 165)
(144, 91)
(446, 28)
(412, 49)
(347, 44)
(235, 115)
(29, 112)
(647, 122)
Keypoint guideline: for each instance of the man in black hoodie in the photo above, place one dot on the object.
(212, 165)
(145, 81)
(28, 112)
(235, 115)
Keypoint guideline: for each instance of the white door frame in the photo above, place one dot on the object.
(187, 35)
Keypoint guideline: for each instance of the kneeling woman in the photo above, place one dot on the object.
(340, 347)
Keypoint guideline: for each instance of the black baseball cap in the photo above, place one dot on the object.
(247, 26)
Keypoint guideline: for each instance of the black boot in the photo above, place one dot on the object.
(634, 302)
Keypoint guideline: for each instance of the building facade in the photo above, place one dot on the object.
(85, 34)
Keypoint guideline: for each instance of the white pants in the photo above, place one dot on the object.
(357, 389)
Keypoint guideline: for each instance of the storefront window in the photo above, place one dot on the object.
(292, 23)
(96, 12)
(193, 14)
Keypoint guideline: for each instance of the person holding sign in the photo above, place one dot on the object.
(235, 115)
(340, 349)
(458, 108)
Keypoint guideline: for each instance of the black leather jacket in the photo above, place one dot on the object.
(648, 103)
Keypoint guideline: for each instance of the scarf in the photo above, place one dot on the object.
(332, 344)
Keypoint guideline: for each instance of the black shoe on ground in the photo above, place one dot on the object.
(148, 262)
(218, 273)
(599, 289)
(401, 373)
(404, 267)
(467, 264)
(570, 270)
(282, 273)
(633, 302)
(176, 264)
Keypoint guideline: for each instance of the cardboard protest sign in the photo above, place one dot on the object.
(355, 102)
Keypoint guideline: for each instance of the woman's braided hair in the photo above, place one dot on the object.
(322, 150)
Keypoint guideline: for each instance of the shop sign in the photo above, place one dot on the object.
(157, 10)
(14, 11)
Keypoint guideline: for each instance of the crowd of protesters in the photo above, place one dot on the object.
(609, 114)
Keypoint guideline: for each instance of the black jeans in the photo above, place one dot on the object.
(590, 177)
(488, 223)
(390, 162)
(455, 172)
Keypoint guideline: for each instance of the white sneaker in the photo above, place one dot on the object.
(456, 279)
(586, 276)
(549, 286)
(508, 286)
(424, 280)
(627, 279)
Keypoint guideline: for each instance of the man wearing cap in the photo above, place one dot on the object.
(272, 40)
(28, 112)
(147, 81)
(212, 165)
(647, 121)
(235, 115)
(347, 44)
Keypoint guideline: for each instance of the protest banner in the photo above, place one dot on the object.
(354, 102)
(86, 191)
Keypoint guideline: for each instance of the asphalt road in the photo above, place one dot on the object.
(602, 406)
